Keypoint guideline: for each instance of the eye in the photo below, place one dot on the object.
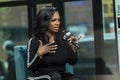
(53, 20)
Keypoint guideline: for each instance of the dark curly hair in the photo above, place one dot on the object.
(42, 23)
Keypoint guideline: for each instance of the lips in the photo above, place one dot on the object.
(56, 28)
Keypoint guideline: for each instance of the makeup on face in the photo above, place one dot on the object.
(54, 22)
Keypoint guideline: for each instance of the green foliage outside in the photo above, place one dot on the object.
(3, 37)
(4, 0)
(4, 16)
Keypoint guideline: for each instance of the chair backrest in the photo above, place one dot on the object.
(20, 53)
(20, 57)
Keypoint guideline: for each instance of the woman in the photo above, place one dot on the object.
(47, 51)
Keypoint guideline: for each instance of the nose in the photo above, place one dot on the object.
(57, 22)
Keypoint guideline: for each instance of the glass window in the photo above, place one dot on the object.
(105, 8)
(13, 30)
(39, 6)
(10, 0)
(110, 55)
(79, 19)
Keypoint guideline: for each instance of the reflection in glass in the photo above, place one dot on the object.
(110, 55)
(79, 19)
(10, 0)
(39, 6)
(13, 29)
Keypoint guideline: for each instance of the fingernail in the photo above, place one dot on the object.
(55, 45)
(54, 51)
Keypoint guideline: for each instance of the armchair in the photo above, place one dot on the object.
(21, 64)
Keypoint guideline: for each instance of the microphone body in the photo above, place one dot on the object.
(67, 35)
(75, 44)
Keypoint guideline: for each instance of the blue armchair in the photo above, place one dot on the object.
(21, 65)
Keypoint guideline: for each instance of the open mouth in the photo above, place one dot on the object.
(56, 28)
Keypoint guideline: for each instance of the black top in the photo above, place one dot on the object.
(51, 61)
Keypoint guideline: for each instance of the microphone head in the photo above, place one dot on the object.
(66, 34)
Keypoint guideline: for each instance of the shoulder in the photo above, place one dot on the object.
(33, 40)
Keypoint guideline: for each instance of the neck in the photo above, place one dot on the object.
(51, 36)
(50, 33)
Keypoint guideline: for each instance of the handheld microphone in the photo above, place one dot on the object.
(67, 35)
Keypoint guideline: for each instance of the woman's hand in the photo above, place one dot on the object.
(76, 40)
(47, 48)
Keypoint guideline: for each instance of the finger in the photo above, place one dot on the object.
(49, 43)
(70, 39)
(41, 43)
(51, 51)
(53, 47)
(80, 36)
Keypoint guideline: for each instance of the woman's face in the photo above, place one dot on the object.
(54, 23)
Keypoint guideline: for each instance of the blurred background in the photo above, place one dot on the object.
(98, 56)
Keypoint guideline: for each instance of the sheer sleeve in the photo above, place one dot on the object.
(72, 56)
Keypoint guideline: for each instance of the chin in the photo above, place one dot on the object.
(56, 31)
